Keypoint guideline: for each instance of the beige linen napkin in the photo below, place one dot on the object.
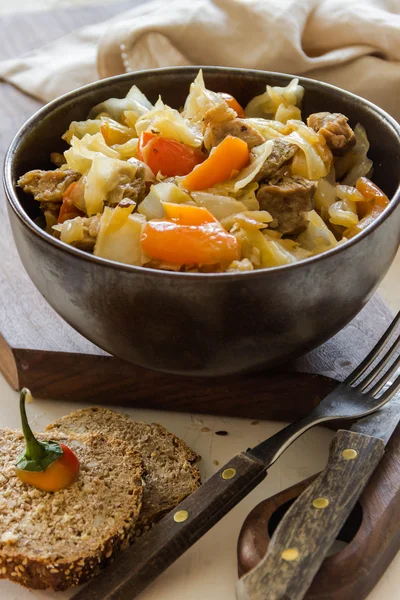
(352, 44)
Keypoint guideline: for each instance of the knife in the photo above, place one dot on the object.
(306, 533)
(371, 534)
(153, 553)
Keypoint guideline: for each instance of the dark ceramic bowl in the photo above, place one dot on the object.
(204, 324)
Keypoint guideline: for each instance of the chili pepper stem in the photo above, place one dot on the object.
(34, 449)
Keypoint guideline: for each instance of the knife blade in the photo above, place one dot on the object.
(382, 423)
(306, 533)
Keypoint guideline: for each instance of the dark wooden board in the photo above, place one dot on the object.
(39, 350)
(26, 320)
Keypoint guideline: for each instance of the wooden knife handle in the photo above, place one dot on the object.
(372, 533)
(152, 554)
(310, 526)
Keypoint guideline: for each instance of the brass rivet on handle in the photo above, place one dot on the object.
(290, 554)
(181, 516)
(349, 454)
(320, 503)
(228, 473)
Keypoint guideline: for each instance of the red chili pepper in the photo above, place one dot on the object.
(49, 466)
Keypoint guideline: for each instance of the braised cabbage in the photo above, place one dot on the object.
(210, 186)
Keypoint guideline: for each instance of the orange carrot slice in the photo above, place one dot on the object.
(185, 214)
(375, 203)
(375, 200)
(233, 103)
(226, 159)
(166, 156)
(206, 244)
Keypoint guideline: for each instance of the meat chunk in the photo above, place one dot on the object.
(334, 127)
(287, 201)
(216, 132)
(282, 152)
(58, 159)
(91, 226)
(136, 189)
(50, 211)
(128, 188)
(47, 186)
(218, 113)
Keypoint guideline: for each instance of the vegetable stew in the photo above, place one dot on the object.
(212, 187)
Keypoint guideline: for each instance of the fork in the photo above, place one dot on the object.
(308, 529)
(358, 396)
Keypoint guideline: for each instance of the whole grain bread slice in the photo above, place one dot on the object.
(58, 539)
(170, 472)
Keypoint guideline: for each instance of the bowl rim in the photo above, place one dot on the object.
(27, 126)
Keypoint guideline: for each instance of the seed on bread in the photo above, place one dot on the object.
(170, 472)
(39, 547)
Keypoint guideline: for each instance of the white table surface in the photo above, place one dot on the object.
(209, 569)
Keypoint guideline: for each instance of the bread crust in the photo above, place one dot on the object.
(43, 565)
(41, 574)
(161, 451)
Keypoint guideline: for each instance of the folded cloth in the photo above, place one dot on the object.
(354, 45)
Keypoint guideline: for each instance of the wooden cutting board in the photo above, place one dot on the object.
(39, 350)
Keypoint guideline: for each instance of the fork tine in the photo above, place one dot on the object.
(379, 368)
(363, 366)
(391, 391)
(385, 377)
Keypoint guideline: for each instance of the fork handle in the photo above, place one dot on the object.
(311, 525)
